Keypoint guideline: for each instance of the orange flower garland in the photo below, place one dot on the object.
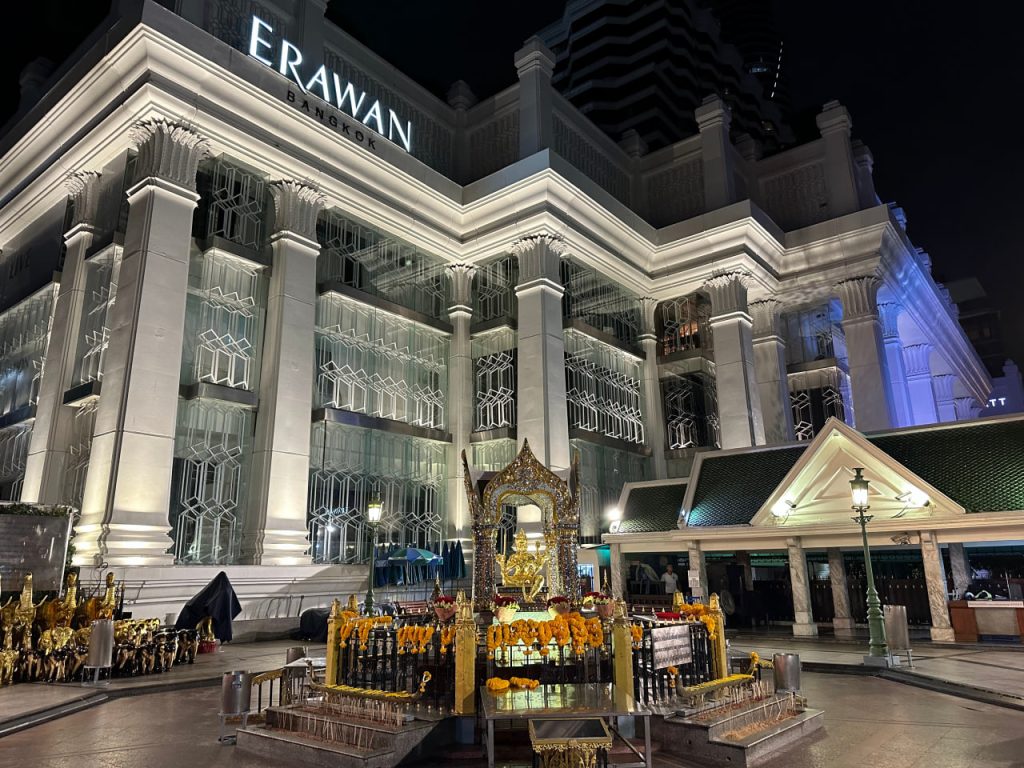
(447, 638)
(570, 629)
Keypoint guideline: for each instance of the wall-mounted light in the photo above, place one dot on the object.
(782, 508)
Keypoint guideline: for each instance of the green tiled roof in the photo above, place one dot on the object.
(652, 508)
(980, 466)
(731, 488)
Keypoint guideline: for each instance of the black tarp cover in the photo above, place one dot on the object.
(216, 599)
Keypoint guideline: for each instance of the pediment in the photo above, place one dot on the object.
(816, 491)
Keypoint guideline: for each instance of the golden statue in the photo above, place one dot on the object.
(523, 569)
(8, 656)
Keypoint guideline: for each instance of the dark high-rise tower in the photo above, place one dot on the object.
(647, 65)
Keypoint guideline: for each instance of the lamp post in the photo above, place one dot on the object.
(878, 650)
(374, 511)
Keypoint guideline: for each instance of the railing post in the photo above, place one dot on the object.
(719, 658)
(465, 657)
(333, 649)
(622, 649)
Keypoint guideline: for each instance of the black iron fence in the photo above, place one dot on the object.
(561, 664)
(652, 684)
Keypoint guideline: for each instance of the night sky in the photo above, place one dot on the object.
(934, 89)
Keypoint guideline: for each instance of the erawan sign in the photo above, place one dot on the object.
(328, 86)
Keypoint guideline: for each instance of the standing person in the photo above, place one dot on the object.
(670, 580)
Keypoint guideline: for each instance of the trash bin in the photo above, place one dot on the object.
(101, 644)
(294, 654)
(235, 693)
(787, 672)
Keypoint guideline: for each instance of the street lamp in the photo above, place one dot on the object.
(374, 512)
(878, 650)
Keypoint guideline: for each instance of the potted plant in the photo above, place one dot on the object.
(558, 605)
(603, 604)
(444, 608)
(505, 608)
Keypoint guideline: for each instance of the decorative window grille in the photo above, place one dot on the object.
(359, 257)
(494, 290)
(691, 411)
(817, 395)
(212, 452)
(231, 20)
(14, 442)
(76, 461)
(603, 472)
(24, 332)
(373, 362)
(685, 324)
(94, 334)
(603, 388)
(492, 455)
(494, 372)
(224, 320)
(235, 201)
(599, 302)
(348, 466)
(814, 334)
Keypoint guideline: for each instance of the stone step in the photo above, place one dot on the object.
(288, 748)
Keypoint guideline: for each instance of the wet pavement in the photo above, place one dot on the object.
(868, 722)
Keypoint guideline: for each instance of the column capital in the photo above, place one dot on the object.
(728, 292)
(889, 313)
(83, 189)
(713, 113)
(461, 277)
(943, 386)
(539, 258)
(766, 314)
(534, 56)
(168, 151)
(966, 408)
(859, 297)
(648, 317)
(916, 359)
(795, 541)
(296, 207)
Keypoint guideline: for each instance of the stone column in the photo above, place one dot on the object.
(275, 521)
(47, 452)
(124, 518)
(889, 313)
(919, 384)
(770, 370)
(713, 119)
(739, 404)
(942, 385)
(835, 125)
(615, 565)
(842, 621)
(935, 580)
(868, 377)
(695, 562)
(534, 65)
(654, 406)
(542, 413)
(961, 567)
(460, 396)
(803, 620)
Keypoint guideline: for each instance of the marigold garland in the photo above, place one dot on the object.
(359, 627)
(497, 685)
(447, 638)
(569, 629)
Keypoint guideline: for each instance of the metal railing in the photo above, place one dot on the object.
(651, 684)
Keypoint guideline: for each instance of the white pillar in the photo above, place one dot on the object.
(770, 371)
(47, 452)
(695, 562)
(803, 619)
(935, 580)
(942, 385)
(654, 406)
(616, 566)
(124, 518)
(919, 383)
(534, 65)
(835, 125)
(460, 397)
(868, 378)
(739, 404)
(889, 313)
(713, 119)
(842, 621)
(961, 567)
(541, 407)
(275, 521)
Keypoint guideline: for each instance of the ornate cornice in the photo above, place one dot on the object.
(168, 151)
(461, 276)
(84, 190)
(859, 297)
(297, 205)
